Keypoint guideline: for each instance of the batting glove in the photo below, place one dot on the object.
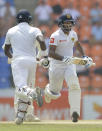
(89, 61)
(67, 59)
(44, 62)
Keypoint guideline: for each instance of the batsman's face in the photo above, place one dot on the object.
(67, 26)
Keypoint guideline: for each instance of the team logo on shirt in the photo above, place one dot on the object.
(62, 40)
(72, 39)
(52, 40)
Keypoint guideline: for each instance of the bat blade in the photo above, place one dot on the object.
(80, 61)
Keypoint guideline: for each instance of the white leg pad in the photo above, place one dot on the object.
(74, 101)
(26, 93)
(74, 95)
(24, 96)
(30, 109)
(22, 108)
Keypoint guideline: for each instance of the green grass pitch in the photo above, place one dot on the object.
(53, 126)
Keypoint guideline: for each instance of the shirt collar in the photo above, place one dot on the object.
(23, 23)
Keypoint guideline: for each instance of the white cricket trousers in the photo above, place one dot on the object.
(23, 70)
(57, 73)
(24, 73)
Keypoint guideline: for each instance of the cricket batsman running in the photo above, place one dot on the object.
(22, 38)
(62, 42)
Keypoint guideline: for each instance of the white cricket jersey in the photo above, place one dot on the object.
(64, 43)
(22, 39)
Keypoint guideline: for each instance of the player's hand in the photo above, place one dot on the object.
(89, 61)
(67, 59)
(44, 62)
(42, 53)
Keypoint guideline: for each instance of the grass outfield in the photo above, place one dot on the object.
(53, 126)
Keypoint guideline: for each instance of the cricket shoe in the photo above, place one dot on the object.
(31, 118)
(75, 117)
(18, 121)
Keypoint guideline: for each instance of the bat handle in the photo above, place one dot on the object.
(93, 64)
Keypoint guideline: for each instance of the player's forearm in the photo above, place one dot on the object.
(55, 56)
(80, 49)
(41, 41)
(7, 51)
(43, 51)
(8, 54)
(42, 45)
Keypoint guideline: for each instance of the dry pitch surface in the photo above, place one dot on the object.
(91, 125)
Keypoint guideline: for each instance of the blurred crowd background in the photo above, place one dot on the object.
(88, 16)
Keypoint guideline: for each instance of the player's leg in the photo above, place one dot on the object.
(74, 92)
(23, 92)
(20, 77)
(24, 97)
(30, 116)
(52, 90)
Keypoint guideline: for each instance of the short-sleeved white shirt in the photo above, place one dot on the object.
(64, 43)
(22, 39)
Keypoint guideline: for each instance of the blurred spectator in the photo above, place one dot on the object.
(7, 20)
(57, 9)
(11, 2)
(2, 8)
(97, 32)
(43, 13)
(95, 13)
(8, 13)
(70, 10)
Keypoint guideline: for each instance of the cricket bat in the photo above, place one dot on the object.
(80, 61)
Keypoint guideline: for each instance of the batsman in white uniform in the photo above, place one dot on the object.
(21, 38)
(61, 48)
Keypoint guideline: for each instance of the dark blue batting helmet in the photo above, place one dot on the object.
(24, 16)
(66, 22)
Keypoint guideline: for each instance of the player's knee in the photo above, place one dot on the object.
(23, 101)
(51, 94)
(74, 83)
(23, 93)
(74, 86)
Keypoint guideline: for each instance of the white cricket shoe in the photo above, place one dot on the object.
(18, 120)
(31, 118)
